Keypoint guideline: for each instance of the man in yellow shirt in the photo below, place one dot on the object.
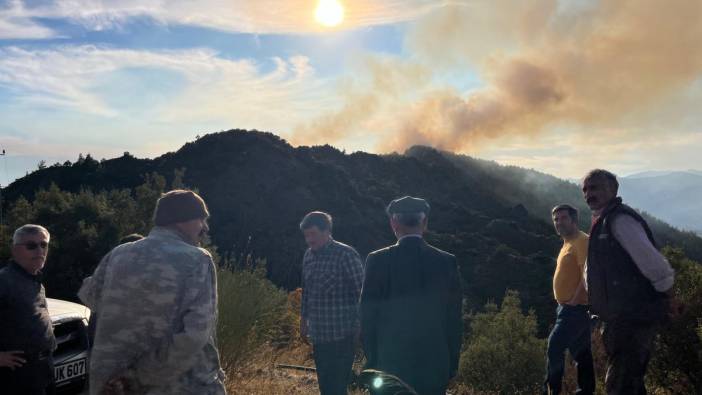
(572, 329)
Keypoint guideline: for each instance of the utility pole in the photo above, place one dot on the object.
(2, 223)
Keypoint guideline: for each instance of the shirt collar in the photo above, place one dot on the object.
(574, 236)
(410, 236)
(325, 247)
(167, 233)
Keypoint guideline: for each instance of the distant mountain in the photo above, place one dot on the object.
(539, 192)
(660, 173)
(495, 219)
(675, 197)
(648, 174)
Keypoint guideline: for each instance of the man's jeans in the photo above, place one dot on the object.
(571, 332)
(333, 361)
(628, 345)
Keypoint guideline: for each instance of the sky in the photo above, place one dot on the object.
(558, 86)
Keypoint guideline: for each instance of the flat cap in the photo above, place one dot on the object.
(408, 204)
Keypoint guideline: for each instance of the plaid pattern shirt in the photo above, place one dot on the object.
(331, 287)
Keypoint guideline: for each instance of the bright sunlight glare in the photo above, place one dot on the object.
(329, 13)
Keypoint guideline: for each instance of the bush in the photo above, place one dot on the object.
(502, 353)
(676, 364)
(252, 311)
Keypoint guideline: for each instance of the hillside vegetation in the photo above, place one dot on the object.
(494, 218)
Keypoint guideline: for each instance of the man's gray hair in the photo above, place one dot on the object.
(610, 177)
(29, 229)
(409, 220)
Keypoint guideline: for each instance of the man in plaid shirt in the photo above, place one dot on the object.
(332, 276)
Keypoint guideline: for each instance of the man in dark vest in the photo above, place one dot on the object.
(629, 283)
(411, 304)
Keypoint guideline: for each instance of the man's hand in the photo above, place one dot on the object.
(675, 308)
(303, 331)
(578, 292)
(12, 359)
(116, 386)
(452, 380)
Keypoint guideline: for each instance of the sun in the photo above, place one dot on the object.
(329, 13)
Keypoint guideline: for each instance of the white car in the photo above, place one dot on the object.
(70, 321)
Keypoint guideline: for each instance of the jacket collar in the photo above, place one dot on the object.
(616, 202)
(16, 267)
(325, 247)
(410, 240)
(161, 232)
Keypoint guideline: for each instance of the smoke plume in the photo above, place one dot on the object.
(603, 64)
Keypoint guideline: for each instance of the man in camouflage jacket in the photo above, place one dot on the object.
(157, 300)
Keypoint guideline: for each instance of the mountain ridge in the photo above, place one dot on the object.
(494, 218)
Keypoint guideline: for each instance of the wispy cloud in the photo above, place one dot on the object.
(236, 91)
(246, 98)
(241, 16)
(17, 23)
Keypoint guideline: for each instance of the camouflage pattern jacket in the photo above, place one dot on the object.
(156, 301)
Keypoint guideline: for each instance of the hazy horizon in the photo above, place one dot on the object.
(13, 171)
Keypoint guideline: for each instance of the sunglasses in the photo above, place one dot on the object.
(32, 245)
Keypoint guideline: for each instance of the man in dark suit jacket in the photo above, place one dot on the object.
(411, 304)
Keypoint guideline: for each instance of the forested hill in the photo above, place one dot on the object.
(258, 187)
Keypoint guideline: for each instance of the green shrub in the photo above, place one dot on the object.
(84, 226)
(252, 311)
(676, 365)
(502, 353)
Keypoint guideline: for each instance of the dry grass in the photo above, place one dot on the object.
(261, 377)
(258, 375)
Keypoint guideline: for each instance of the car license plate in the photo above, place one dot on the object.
(70, 370)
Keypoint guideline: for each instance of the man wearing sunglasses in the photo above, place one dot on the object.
(26, 335)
